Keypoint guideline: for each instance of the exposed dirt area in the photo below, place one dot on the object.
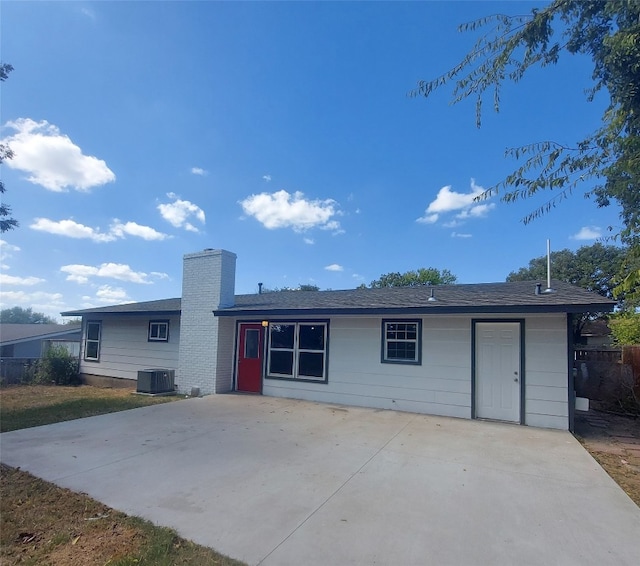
(42, 524)
(614, 441)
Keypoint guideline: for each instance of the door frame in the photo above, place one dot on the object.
(474, 376)
(236, 355)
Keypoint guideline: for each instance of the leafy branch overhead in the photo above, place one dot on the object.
(6, 222)
(606, 163)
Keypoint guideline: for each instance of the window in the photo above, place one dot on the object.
(298, 350)
(159, 331)
(401, 341)
(92, 341)
(251, 344)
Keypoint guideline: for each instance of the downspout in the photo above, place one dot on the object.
(571, 386)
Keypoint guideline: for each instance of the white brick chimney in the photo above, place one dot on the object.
(206, 342)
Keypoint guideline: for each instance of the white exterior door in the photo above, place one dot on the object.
(497, 373)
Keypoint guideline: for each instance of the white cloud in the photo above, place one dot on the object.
(588, 233)
(48, 303)
(178, 213)
(134, 229)
(73, 229)
(477, 211)
(88, 13)
(199, 171)
(6, 251)
(120, 271)
(112, 295)
(309, 241)
(160, 275)
(459, 235)
(283, 210)
(7, 247)
(428, 219)
(14, 280)
(448, 200)
(266, 178)
(334, 267)
(52, 160)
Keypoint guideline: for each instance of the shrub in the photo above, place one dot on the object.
(58, 366)
(625, 328)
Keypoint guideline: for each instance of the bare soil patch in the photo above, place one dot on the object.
(614, 441)
(43, 524)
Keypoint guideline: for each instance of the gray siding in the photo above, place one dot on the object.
(442, 384)
(125, 349)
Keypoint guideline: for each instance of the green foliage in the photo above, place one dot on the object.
(18, 315)
(604, 164)
(5, 153)
(422, 276)
(592, 267)
(629, 281)
(625, 328)
(58, 366)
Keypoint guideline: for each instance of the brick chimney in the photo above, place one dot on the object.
(206, 342)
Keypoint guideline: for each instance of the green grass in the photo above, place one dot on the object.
(29, 406)
(41, 523)
(67, 411)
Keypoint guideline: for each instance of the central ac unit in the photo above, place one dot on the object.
(156, 381)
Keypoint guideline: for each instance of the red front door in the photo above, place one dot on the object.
(250, 347)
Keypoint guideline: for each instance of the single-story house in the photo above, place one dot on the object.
(498, 351)
(33, 340)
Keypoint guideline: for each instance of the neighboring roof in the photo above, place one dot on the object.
(596, 328)
(161, 307)
(15, 333)
(513, 297)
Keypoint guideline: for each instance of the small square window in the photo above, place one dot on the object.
(159, 331)
(401, 342)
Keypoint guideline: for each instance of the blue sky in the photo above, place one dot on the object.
(280, 131)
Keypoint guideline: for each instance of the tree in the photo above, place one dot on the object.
(18, 315)
(5, 153)
(592, 267)
(604, 164)
(422, 276)
(625, 328)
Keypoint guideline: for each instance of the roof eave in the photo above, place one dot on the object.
(127, 313)
(478, 309)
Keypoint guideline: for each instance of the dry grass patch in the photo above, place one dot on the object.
(43, 524)
(25, 406)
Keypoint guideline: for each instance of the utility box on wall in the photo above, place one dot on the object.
(156, 381)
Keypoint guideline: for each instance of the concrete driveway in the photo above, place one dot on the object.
(275, 481)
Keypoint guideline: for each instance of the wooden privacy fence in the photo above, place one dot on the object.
(611, 355)
(610, 375)
(631, 358)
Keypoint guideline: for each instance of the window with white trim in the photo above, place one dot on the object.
(92, 341)
(158, 331)
(401, 341)
(297, 350)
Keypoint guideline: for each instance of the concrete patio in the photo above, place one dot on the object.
(276, 481)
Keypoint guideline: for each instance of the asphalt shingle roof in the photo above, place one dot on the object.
(511, 297)
(21, 332)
